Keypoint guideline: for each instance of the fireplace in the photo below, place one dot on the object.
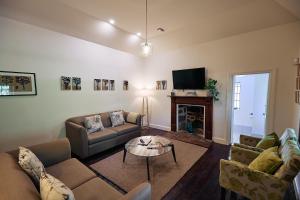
(191, 119)
(191, 114)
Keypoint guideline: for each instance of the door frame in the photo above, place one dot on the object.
(270, 110)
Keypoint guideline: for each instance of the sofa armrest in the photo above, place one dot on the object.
(249, 140)
(248, 147)
(50, 153)
(77, 135)
(250, 183)
(141, 192)
(245, 156)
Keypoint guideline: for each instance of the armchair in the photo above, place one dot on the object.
(236, 176)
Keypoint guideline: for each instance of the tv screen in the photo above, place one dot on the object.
(189, 79)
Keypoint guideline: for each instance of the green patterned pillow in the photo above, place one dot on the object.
(268, 161)
(268, 141)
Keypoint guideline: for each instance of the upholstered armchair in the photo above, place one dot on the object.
(236, 176)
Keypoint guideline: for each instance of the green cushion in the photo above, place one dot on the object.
(268, 141)
(268, 161)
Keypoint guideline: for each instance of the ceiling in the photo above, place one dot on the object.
(186, 21)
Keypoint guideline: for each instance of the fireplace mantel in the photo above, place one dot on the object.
(194, 100)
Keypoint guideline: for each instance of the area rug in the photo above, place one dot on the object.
(164, 172)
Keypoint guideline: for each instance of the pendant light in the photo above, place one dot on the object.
(146, 46)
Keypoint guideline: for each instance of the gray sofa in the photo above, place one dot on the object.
(15, 184)
(85, 145)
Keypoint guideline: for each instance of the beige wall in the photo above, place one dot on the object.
(34, 119)
(268, 49)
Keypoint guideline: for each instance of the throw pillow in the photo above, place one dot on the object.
(117, 118)
(53, 189)
(30, 163)
(268, 141)
(268, 161)
(132, 117)
(93, 124)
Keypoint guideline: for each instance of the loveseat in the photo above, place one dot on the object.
(85, 144)
(15, 184)
(236, 176)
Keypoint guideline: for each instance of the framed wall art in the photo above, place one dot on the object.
(17, 83)
(105, 84)
(111, 84)
(65, 83)
(76, 83)
(125, 85)
(97, 84)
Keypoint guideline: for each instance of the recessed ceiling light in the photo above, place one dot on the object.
(111, 21)
(138, 34)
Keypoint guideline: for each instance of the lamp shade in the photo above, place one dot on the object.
(146, 49)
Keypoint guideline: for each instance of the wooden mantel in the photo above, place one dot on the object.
(194, 100)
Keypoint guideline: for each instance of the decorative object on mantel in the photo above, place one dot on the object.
(125, 85)
(97, 84)
(17, 84)
(76, 83)
(161, 85)
(297, 92)
(211, 86)
(65, 83)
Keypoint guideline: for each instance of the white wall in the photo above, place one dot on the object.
(34, 119)
(269, 49)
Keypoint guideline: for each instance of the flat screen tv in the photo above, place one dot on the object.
(193, 79)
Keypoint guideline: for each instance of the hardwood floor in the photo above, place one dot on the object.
(200, 182)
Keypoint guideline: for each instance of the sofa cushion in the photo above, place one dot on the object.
(96, 189)
(290, 154)
(268, 141)
(117, 118)
(71, 172)
(31, 164)
(288, 134)
(99, 136)
(15, 183)
(127, 127)
(132, 117)
(93, 124)
(53, 189)
(105, 117)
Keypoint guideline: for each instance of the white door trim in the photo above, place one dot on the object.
(270, 111)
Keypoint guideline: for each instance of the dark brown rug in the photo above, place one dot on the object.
(164, 172)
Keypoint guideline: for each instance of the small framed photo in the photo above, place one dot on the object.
(97, 84)
(158, 85)
(65, 83)
(164, 85)
(76, 83)
(297, 97)
(105, 84)
(17, 83)
(298, 83)
(111, 84)
(125, 85)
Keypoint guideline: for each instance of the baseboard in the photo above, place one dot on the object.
(219, 140)
(160, 127)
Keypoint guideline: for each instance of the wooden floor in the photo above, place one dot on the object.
(200, 182)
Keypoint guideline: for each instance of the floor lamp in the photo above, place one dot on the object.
(146, 106)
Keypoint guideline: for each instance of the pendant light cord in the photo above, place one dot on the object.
(146, 21)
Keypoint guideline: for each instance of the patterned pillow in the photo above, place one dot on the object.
(53, 189)
(132, 117)
(30, 163)
(117, 118)
(93, 124)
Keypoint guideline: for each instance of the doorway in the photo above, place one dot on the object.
(249, 105)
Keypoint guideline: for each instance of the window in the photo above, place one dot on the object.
(237, 94)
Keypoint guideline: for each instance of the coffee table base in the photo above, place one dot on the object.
(147, 159)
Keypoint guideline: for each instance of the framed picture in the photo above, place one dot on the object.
(76, 83)
(97, 84)
(297, 97)
(111, 84)
(125, 85)
(158, 85)
(65, 83)
(17, 83)
(298, 83)
(105, 84)
(164, 84)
